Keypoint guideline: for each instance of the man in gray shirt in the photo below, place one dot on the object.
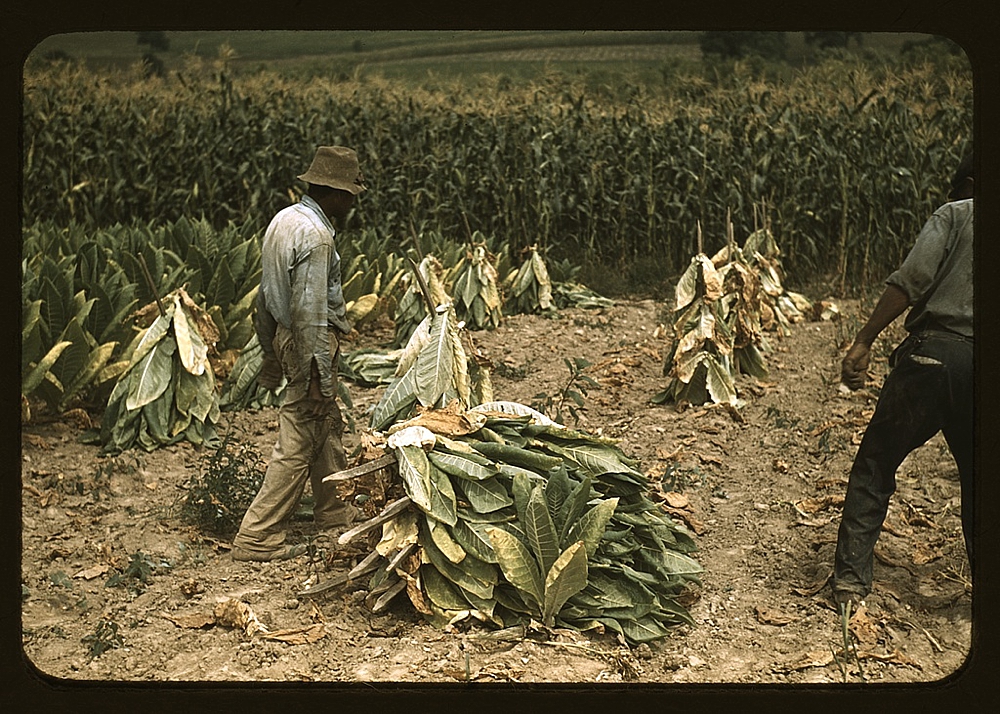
(928, 390)
(300, 311)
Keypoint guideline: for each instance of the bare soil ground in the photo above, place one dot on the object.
(761, 486)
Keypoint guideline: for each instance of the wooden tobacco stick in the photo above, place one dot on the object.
(388, 595)
(365, 566)
(400, 556)
(362, 469)
(335, 581)
(397, 506)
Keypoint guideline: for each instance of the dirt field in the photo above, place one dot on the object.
(760, 486)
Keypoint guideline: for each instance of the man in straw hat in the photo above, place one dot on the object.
(300, 311)
(928, 390)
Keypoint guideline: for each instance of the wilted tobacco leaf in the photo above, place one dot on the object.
(414, 469)
(150, 377)
(566, 577)
(444, 541)
(517, 564)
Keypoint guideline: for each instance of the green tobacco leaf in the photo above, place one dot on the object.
(540, 530)
(485, 496)
(566, 577)
(153, 334)
(96, 361)
(433, 369)
(37, 374)
(474, 539)
(151, 375)
(471, 574)
(440, 590)
(442, 494)
(74, 358)
(396, 402)
(643, 629)
(158, 415)
(557, 489)
(517, 565)
(573, 508)
(195, 395)
(460, 466)
(680, 564)
(592, 525)
(752, 362)
(595, 459)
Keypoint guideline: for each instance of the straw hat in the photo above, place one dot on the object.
(337, 167)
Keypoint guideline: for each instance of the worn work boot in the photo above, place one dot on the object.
(340, 518)
(265, 556)
(842, 597)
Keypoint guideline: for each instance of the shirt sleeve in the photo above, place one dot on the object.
(309, 314)
(264, 325)
(918, 271)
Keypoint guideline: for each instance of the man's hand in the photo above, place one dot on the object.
(854, 368)
(270, 373)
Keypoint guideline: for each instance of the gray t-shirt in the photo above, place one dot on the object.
(937, 273)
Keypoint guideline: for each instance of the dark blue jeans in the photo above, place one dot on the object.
(928, 390)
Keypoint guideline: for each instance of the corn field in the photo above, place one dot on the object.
(849, 158)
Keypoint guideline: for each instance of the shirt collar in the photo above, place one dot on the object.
(310, 202)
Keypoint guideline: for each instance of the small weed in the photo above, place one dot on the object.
(502, 369)
(781, 418)
(137, 574)
(220, 494)
(677, 477)
(570, 397)
(102, 639)
(62, 580)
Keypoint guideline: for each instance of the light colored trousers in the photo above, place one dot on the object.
(308, 448)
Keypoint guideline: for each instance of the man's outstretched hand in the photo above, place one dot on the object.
(854, 368)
